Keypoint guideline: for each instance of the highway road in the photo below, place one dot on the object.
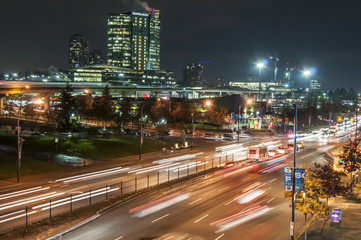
(240, 202)
(57, 194)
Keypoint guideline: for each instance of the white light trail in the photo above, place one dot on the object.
(92, 175)
(29, 200)
(18, 216)
(22, 192)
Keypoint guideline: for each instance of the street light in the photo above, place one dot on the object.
(141, 133)
(307, 74)
(208, 103)
(260, 65)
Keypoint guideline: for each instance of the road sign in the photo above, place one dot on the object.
(287, 174)
(336, 215)
(292, 227)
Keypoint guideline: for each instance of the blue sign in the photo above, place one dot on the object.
(300, 178)
(287, 174)
(299, 175)
(336, 215)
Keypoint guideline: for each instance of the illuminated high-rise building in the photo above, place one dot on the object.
(78, 51)
(193, 75)
(134, 40)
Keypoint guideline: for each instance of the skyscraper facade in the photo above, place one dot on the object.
(96, 57)
(193, 75)
(78, 51)
(134, 40)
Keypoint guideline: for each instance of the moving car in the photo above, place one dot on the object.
(281, 150)
(226, 164)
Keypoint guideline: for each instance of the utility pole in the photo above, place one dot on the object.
(192, 129)
(141, 133)
(239, 118)
(357, 109)
(20, 144)
(292, 225)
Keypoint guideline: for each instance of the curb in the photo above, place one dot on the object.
(61, 233)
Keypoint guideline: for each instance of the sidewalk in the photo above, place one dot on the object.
(349, 228)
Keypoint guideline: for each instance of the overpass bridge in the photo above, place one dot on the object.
(47, 89)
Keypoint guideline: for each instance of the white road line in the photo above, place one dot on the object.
(223, 188)
(119, 238)
(273, 180)
(270, 200)
(195, 201)
(229, 202)
(160, 218)
(246, 179)
(219, 236)
(308, 155)
(201, 218)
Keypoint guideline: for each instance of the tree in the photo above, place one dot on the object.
(351, 158)
(330, 180)
(217, 116)
(102, 107)
(311, 196)
(29, 111)
(125, 115)
(67, 105)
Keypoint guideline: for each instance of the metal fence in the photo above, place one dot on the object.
(128, 185)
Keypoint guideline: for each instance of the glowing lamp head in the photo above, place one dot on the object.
(208, 103)
(260, 65)
(249, 101)
(307, 73)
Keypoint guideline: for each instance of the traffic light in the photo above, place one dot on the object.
(286, 120)
(339, 119)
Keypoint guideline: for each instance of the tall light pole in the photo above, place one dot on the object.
(260, 65)
(294, 174)
(141, 133)
(192, 129)
(239, 115)
(20, 144)
(307, 74)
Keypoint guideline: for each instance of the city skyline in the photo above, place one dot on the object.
(231, 35)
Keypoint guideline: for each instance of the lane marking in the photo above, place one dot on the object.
(201, 218)
(273, 180)
(119, 238)
(229, 202)
(160, 218)
(246, 179)
(195, 201)
(308, 155)
(219, 236)
(271, 200)
(223, 188)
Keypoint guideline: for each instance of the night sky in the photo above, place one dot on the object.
(231, 34)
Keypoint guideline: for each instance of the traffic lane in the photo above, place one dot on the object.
(186, 214)
(128, 230)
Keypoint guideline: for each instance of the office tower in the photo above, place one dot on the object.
(96, 57)
(315, 85)
(134, 40)
(193, 75)
(78, 51)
